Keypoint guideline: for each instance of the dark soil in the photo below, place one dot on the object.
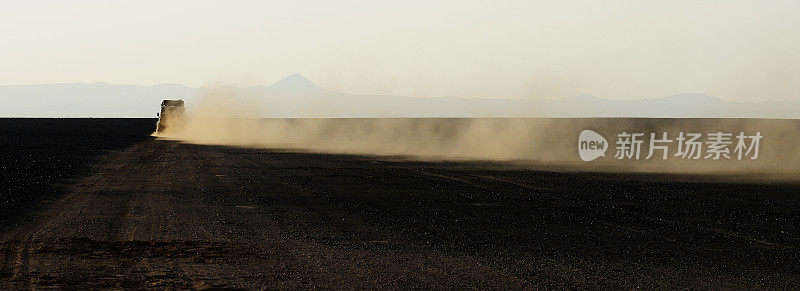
(39, 155)
(161, 214)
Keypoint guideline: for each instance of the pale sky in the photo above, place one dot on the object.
(734, 50)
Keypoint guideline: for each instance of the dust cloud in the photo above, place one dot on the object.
(221, 118)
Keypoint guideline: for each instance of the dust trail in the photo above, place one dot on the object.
(226, 120)
(220, 118)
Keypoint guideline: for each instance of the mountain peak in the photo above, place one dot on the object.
(689, 98)
(583, 97)
(295, 82)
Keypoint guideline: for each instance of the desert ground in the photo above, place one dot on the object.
(99, 203)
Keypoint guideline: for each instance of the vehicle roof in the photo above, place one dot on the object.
(178, 102)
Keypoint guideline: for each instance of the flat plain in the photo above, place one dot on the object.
(98, 203)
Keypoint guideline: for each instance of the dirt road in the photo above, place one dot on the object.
(166, 214)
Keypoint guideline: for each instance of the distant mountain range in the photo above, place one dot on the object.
(296, 96)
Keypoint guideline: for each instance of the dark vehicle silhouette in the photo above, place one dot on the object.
(171, 117)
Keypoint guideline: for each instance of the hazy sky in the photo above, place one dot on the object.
(734, 50)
